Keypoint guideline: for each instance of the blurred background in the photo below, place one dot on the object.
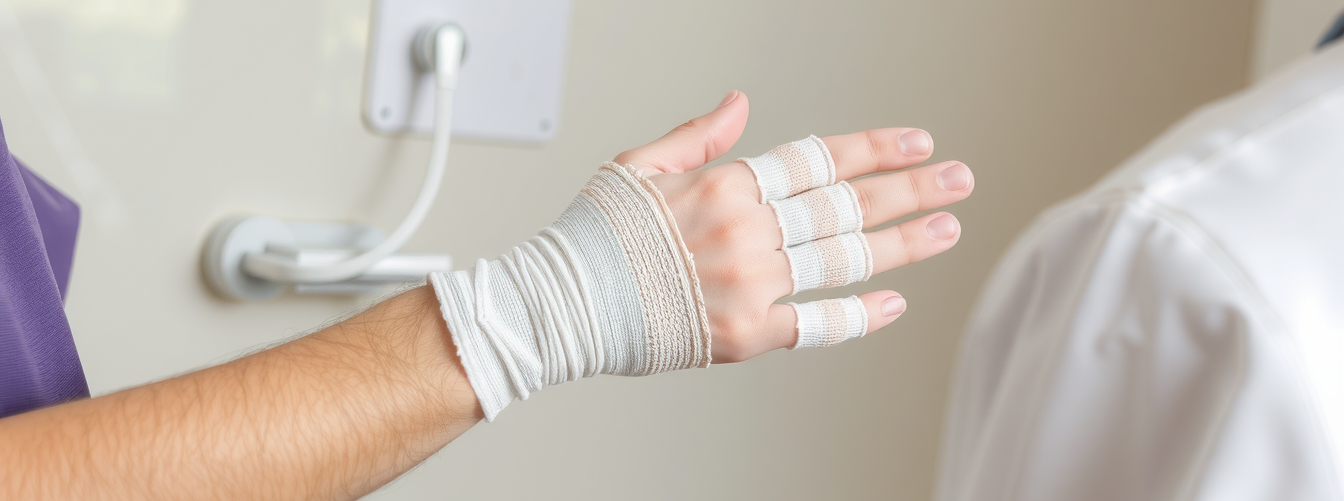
(162, 117)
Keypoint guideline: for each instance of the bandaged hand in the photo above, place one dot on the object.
(662, 263)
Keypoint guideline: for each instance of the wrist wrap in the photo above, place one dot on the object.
(609, 288)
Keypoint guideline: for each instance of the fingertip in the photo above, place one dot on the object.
(883, 307)
(916, 143)
(728, 99)
(725, 124)
(893, 306)
(734, 99)
(943, 227)
(879, 150)
(694, 143)
(971, 180)
(954, 176)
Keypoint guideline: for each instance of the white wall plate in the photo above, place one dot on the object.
(510, 83)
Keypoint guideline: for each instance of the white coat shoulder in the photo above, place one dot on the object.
(1171, 333)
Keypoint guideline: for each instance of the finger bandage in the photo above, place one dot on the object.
(609, 288)
(830, 262)
(819, 213)
(790, 169)
(829, 321)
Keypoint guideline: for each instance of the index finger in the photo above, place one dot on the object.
(878, 150)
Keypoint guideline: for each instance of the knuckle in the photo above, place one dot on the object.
(733, 335)
(687, 127)
(902, 248)
(741, 269)
(914, 195)
(719, 183)
(733, 275)
(738, 232)
(879, 146)
(712, 185)
(738, 327)
(866, 206)
(721, 233)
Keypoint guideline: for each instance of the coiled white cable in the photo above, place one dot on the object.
(448, 48)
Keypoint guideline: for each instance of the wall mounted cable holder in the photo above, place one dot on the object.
(305, 244)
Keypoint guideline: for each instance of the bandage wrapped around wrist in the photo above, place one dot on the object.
(609, 288)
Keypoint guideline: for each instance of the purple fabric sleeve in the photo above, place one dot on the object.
(58, 218)
(38, 362)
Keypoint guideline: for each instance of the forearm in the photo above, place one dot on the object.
(332, 415)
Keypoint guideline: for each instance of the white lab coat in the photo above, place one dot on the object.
(1176, 332)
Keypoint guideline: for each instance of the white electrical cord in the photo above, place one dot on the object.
(449, 43)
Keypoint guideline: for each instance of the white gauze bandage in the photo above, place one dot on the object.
(609, 288)
(830, 262)
(829, 321)
(821, 221)
(792, 168)
(819, 213)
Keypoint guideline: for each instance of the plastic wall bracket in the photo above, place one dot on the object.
(307, 244)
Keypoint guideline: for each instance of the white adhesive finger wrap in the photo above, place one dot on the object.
(609, 288)
(829, 322)
(830, 262)
(819, 213)
(790, 169)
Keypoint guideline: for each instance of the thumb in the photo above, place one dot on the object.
(694, 143)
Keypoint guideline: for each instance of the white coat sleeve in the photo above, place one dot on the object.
(1101, 363)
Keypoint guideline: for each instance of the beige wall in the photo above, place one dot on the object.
(188, 111)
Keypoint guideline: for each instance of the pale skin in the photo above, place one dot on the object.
(338, 413)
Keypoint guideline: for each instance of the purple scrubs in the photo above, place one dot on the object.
(38, 362)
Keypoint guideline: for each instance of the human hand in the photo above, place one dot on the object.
(736, 239)
(659, 264)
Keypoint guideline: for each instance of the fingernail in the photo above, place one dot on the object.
(915, 142)
(942, 227)
(955, 177)
(893, 306)
(728, 99)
